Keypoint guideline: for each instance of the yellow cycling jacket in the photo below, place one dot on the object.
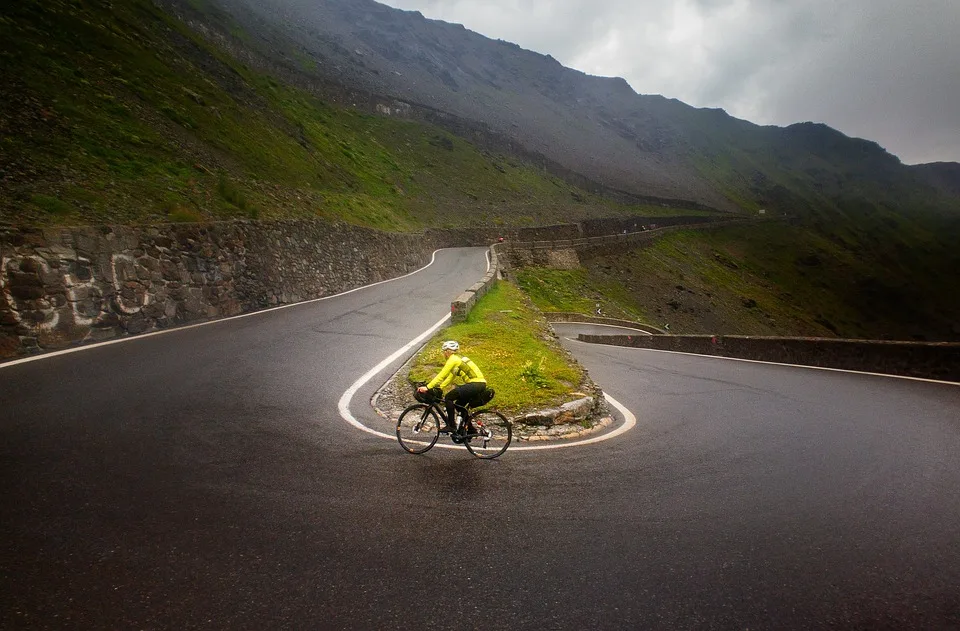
(460, 368)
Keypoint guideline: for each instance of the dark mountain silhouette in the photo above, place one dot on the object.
(943, 175)
(646, 145)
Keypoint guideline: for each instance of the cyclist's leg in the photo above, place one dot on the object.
(449, 400)
(463, 395)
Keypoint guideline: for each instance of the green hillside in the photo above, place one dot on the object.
(117, 112)
(767, 279)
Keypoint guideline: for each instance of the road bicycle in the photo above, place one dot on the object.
(484, 432)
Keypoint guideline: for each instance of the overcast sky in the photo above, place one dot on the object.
(886, 70)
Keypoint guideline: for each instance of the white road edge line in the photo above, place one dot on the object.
(344, 404)
(133, 338)
(629, 421)
(758, 361)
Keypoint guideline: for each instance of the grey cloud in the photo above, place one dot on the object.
(880, 69)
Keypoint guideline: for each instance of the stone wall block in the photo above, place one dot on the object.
(91, 306)
(127, 239)
(136, 323)
(57, 300)
(107, 320)
(85, 244)
(193, 302)
(143, 273)
(150, 263)
(27, 292)
(153, 310)
(77, 272)
(30, 277)
(169, 270)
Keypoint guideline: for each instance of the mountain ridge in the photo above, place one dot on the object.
(598, 127)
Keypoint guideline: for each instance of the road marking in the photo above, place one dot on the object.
(629, 420)
(344, 404)
(768, 363)
(85, 347)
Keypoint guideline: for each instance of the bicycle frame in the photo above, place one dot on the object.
(481, 426)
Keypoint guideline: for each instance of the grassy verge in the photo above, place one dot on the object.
(766, 279)
(509, 341)
(577, 291)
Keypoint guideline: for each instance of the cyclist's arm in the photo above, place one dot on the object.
(445, 375)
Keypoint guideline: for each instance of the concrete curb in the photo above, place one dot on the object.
(559, 316)
(461, 307)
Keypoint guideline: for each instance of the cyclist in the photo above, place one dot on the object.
(462, 369)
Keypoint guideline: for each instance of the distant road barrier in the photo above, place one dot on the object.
(622, 238)
(562, 316)
(925, 360)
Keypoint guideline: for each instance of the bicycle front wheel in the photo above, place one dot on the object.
(490, 434)
(418, 428)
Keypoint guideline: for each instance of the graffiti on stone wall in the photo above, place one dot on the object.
(64, 295)
(22, 285)
(63, 287)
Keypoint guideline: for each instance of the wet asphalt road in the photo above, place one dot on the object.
(204, 479)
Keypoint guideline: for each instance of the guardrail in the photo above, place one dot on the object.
(639, 236)
(925, 360)
(561, 244)
(564, 316)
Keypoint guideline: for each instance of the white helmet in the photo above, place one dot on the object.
(450, 345)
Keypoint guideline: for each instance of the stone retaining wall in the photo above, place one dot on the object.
(928, 360)
(66, 286)
(619, 225)
(543, 251)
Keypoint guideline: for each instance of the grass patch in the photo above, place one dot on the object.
(51, 205)
(577, 291)
(508, 339)
(184, 215)
(767, 279)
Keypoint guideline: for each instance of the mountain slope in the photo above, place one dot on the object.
(598, 127)
(119, 112)
(942, 175)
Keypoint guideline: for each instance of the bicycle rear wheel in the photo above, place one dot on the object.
(490, 436)
(418, 428)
